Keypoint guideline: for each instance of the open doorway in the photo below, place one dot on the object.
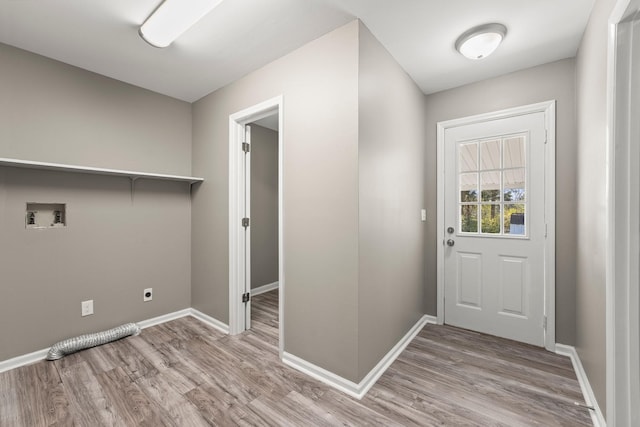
(256, 273)
(263, 247)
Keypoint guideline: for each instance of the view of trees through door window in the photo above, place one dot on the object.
(492, 178)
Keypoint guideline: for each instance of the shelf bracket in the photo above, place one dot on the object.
(133, 180)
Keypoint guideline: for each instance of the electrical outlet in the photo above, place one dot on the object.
(423, 213)
(147, 295)
(87, 307)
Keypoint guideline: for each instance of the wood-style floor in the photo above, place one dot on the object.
(184, 373)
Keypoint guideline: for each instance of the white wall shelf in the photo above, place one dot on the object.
(15, 163)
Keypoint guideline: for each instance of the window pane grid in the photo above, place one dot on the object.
(492, 186)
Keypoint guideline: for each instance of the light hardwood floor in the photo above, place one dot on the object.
(184, 373)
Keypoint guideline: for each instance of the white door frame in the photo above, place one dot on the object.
(549, 110)
(623, 251)
(237, 121)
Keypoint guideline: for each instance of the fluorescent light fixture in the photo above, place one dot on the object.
(480, 42)
(172, 18)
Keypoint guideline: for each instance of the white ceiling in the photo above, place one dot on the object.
(240, 36)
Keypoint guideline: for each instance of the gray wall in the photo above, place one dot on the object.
(53, 112)
(353, 237)
(264, 206)
(319, 83)
(391, 194)
(550, 81)
(114, 246)
(591, 77)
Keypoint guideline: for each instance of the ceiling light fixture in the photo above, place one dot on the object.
(172, 18)
(480, 42)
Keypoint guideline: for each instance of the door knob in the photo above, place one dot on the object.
(450, 242)
(450, 230)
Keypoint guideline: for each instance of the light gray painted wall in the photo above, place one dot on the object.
(53, 112)
(264, 206)
(114, 246)
(320, 88)
(550, 81)
(110, 251)
(591, 219)
(391, 176)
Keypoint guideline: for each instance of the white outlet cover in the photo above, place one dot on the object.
(424, 214)
(145, 298)
(87, 307)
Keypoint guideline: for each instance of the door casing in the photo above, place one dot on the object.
(548, 108)
(237, 200)
(623, 228)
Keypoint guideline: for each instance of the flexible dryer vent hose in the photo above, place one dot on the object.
(71, 345)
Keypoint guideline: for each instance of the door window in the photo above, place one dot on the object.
(492, 186)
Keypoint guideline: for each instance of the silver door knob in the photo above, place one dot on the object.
(450, 242)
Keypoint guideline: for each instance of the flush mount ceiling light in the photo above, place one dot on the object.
(480, 42)
(172, 18)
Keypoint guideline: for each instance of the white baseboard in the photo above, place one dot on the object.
(349, 387)
(590, 399)
(213, 322)
(433, 320)
(144, 324)
(36, 356)
(323, 375)
(265, 288)
(25, 359)
(204, 318)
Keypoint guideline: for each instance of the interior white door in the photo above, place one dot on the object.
(495, 227)
(246, 292)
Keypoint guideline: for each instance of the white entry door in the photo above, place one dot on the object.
(494, 219)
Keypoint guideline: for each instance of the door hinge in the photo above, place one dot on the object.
(546, 136)
(246, 297)
(245, 222)
(246, 147)
(544, 322)
(546, 230)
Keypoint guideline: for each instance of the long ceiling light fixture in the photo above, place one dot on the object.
(172, 18)
(480, 42)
